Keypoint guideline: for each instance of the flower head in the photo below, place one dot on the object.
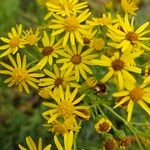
(50, 50)
(103, 21)
(64, 7)
(63, 126)
(134, 94)
(19, 74)
(70, 27)
(58, 78)
(127, 37)
(103, 125)
(129, 6)
(30, 37)
(77, 60)
(64, 105)
(14, 41)
(98, 44)
(110, 144)
(31, 145)
(119, 67)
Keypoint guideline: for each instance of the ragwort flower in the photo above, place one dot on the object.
(70, 27)
(62, 126)
(119, 66)
(59, 78)
(77, 60)
(19, 74)
(14, 41)
(103, 125)
(129, 6)
(64, 7)
(127, 37)
(30, 37)
(50, 50)
(134, 94)
(64, 105)
(105, 20)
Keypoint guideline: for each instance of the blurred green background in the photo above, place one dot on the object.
(20, 114)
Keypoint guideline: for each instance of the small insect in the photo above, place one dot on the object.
(100, 89)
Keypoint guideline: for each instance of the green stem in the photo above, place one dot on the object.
(125, 122)
(30, 55)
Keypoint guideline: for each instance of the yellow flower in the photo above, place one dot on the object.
(77, 60)
(104, 20)
(31, 145)
(14, 42)
(51, 49)
(119, 66)
(64, 7)
(68, 141)
(64, 105)
(129, 6)
(59, 78)
(126, 37)
(62, 127)
(30, 37)
(19, 74)
(70, 27)
(103, 125)
(98, 44)
(134, 95)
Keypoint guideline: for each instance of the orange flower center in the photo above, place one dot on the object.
(71, 24)
(14, 42)
(132, 36)
(66, 109)
(118, 64)
(20, 75)
(76, 59)
(47, 51)
(136, 94)
(58, 82)
(104, 127)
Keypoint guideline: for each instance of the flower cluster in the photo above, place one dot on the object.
(76, 56)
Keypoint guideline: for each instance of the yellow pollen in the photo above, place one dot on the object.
(14, 42)
(71, 24)
(66, 109)
(76, 59)
(20, 75)
(118, 64)
(132, 36)
(136, 94)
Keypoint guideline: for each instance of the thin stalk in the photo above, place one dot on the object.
(126, 123)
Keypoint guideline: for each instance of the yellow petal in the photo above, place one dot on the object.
(121, 93)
